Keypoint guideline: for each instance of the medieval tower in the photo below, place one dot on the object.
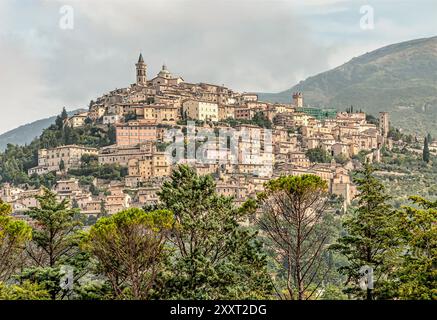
(298, 99)
(384, 124)
(141, 72)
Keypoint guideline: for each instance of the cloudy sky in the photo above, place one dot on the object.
(248, 45)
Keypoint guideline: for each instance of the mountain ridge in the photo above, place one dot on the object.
(399, 78)
(24, 134)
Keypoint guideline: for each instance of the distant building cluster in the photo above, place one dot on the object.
(241, 158)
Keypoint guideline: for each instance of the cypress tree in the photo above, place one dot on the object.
(426, 150)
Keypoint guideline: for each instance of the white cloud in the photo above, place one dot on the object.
(24, 94)
(262, 45)
(249, 45)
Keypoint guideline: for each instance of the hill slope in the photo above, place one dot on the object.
(400, 78)
(26, 133)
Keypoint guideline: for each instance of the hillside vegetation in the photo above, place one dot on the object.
(26, 133)
(400, 79)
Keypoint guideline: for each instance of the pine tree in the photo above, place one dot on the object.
(25, 291)
(215, 258)
(130, 247)
(297, 229)
(55, 242)
(55, 238)
(371, 239)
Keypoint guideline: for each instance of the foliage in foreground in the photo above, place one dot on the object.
(14, 234)
(371, 239)
(296, 225)
(215, 257)
(193, 246)
(131, 250)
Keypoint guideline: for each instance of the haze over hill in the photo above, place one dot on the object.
(26, 133)
(400, 78)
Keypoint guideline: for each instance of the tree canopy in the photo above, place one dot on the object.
(297, 228)
(14, 235)
(130, 247)
(215, 257)
(370, 239)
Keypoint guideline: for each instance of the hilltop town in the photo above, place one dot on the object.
(152, 118)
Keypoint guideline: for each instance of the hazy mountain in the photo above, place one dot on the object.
(400, 78)
(26, 133)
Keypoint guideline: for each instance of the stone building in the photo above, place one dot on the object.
(155, 165)
(200, 110)
(121, 155)
(384, 124)
(51, 159)
(135, 132)
(298, 99)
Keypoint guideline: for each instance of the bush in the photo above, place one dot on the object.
(318, 155)
(25, 291)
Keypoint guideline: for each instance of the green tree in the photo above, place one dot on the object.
(14, 234)
(62, 165)
(341, 158)
(371, 119)
(55, 237)
(130, 249)
(215, 257)
(112, 134)
(130, 116)
(45, 277)
(55, 242)
(426, 153)
(88, 121)
(25, 291)
(429, 137)
(261, 120)
(103, 211)
(416, 278)
(89, 159)
(370, 238)
(61, 118)
(332, 292)
(318, 155)
(297, 228)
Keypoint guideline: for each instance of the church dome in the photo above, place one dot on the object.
(164, 73)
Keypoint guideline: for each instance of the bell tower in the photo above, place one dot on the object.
(141, 71)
